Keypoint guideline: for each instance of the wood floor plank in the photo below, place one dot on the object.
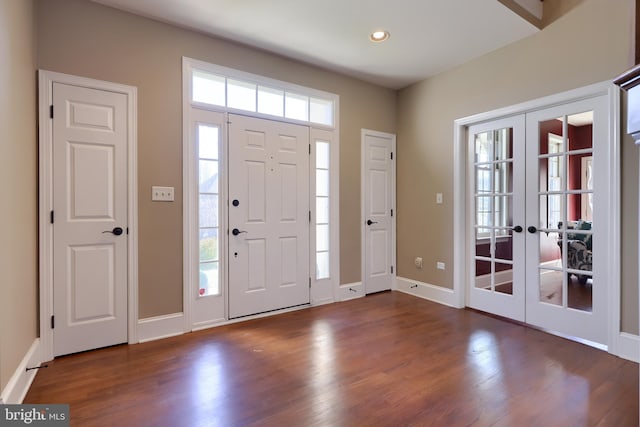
(389, 359)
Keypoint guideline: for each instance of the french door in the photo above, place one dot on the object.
(496, 166)
(535, 219)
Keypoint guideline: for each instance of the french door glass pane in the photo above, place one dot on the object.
(551, 286)
(504, 278)
(493, 209)
(483, 274)
(566, 146)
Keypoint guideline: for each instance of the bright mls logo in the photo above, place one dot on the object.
(34, 415)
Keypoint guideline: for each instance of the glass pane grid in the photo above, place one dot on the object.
(322, 149)
(213, 89)
(208, 209)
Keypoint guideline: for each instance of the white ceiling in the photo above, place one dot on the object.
(427, 36)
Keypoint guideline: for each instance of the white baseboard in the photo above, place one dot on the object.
(20, 382)
(629, 347)
(155, 328)
(322, 301)
(350, 291)
(427, 291)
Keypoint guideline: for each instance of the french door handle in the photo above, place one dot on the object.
(235, 231)
(532, 229)
(369, 222)
(517, 229)
(116, 231)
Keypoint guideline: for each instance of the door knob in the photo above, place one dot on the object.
(532, 229)
(116, 231)
(235, 202)
(235, 231)
(369, 222)
(517, 229)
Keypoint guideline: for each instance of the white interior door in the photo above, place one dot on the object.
(90, 218)
(268, 215)
(567, 261)
(378, 211)
(496, 217)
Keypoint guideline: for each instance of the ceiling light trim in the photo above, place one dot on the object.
(379, 36)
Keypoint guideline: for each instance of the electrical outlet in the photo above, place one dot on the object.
(162, 194)
(439, 198)
(418, 262)
(440, 265)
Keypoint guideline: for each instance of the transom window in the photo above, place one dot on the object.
(268, 99)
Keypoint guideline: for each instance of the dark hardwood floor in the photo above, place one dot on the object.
(389, 359)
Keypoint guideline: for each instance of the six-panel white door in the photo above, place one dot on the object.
(378, 204)
(268, 215)
(90, 218)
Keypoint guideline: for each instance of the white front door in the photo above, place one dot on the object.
(89, 218)
(567, 261)
(496, 217)
(378, 211)
(269, 215)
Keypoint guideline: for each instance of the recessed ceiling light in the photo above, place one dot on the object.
(379, 36)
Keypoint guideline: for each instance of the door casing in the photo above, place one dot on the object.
(612, 229)
(45, 199)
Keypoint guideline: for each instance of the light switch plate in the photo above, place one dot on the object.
(440, 265)
(439, 198)
(162, 194)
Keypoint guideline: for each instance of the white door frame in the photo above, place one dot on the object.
(361, 290)
(612, 230)
(45, 199)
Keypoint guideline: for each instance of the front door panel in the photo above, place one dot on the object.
(269, 215)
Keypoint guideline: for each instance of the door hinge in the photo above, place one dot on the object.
(391, 212)
(127, 230)
(309, 217)
(392, 155)
(392, 269)
(309, 148)
(53, 322)
(51, 217)
(51, 111)
(309, 282)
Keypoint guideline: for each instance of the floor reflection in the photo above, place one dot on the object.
(325, 395)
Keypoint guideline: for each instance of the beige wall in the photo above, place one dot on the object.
(18, 172)
(591, 43)
(90, 40)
